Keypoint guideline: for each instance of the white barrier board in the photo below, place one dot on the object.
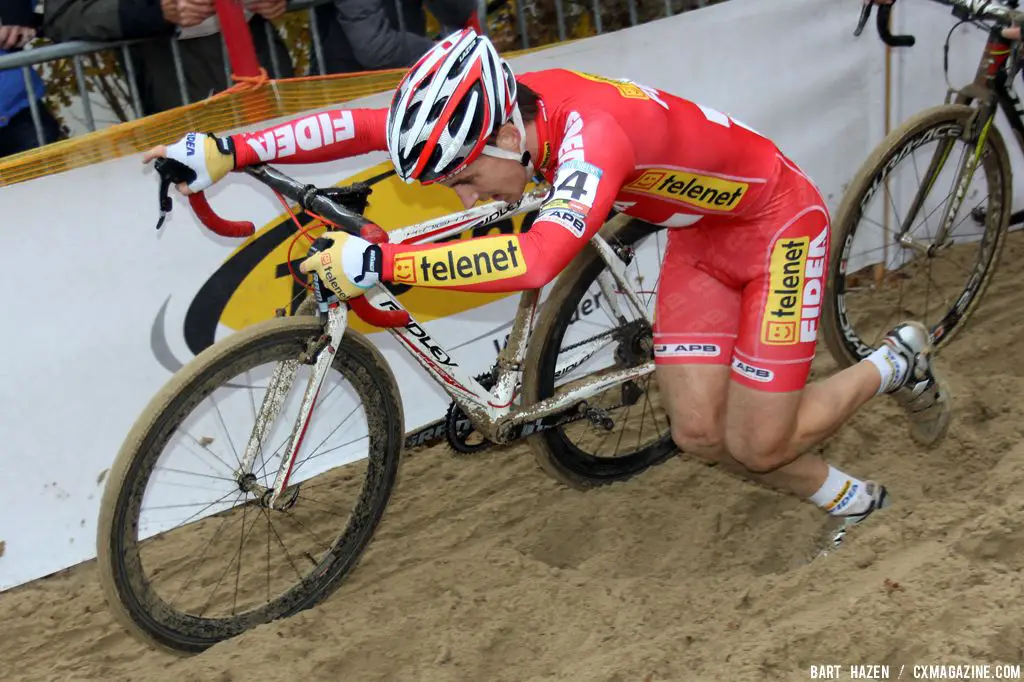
(100, 309)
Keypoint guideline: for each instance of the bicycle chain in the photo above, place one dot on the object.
(457, 440)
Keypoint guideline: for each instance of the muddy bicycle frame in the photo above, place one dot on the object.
(989, 92)
(490, 411)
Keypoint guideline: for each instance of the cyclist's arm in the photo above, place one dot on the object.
(589, 176)
(326, 136)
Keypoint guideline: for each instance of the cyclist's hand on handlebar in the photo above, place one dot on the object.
(347, 265)
(209, 158)
(1012, 33)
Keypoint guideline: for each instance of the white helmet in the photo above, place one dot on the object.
(447, 105)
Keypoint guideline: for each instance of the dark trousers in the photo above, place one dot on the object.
(20, 132)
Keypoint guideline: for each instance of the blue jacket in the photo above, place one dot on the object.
(13, 94)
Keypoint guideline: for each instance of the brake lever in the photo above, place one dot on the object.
(164, 197)
(171, 172)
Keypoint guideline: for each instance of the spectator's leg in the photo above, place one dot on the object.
(338, 55)
(451, 13)
(414, 17)
(19, 134)
(258, 25)
(375, 43)
(52, 130)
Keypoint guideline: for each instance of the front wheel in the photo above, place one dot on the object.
(894, 255)
(587, 325)
(190, 552)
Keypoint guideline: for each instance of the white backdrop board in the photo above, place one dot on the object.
(100, 309)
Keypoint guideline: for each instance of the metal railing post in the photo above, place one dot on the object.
(521, 13)
(33, 104)
(318, 49)
(133, 87)
(179, 71)
(83, 93)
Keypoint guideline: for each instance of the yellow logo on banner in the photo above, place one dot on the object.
(781, 325)
(268, 285)
(689, 188)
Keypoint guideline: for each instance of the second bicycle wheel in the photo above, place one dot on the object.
(189, 550)
(629, 431)
(893, 255)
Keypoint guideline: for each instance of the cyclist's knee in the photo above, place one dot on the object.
(761, 451)
(696, 400)
(700, 435)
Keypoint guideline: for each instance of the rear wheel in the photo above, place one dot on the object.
(629, 432)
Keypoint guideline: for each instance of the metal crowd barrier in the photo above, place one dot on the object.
(76, 50)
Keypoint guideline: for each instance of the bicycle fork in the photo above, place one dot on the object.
(965, 174)
(277, 393)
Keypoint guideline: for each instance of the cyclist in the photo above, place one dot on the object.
(743, 273)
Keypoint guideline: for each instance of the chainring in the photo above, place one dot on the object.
(459, 439)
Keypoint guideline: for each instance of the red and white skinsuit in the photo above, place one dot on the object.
(744, 271)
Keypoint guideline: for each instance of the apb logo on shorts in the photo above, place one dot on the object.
(669, 350)
(471, 262)
(703, 191)
(795, 285)
(752, 372)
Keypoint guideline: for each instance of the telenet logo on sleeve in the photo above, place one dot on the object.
(472, 262)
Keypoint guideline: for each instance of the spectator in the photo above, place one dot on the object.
(200, 46)
(17, 129)
(452, 16)
(364, 35)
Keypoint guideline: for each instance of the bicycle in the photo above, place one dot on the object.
(861, 279)
(540, 367)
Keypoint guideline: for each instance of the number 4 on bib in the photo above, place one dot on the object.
(575, 186)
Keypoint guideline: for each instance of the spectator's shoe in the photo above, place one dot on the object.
(922, 394)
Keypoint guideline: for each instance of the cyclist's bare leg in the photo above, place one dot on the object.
(771, 432)
(759, 434)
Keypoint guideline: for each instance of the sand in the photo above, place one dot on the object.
(485, 570)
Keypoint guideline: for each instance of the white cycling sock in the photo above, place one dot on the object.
(890, 365)
(841, 494)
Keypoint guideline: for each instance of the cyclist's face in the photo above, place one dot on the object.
(489, 177)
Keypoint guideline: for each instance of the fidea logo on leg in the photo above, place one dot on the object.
(795, 285)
